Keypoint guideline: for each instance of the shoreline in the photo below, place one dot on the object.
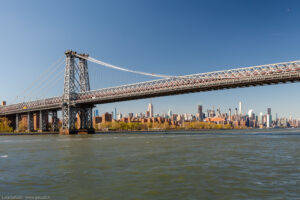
(144, 131)
(120, 132)
(33, 133)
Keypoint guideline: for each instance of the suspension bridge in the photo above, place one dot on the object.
(78, 99)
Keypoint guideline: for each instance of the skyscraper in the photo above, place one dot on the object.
(96, 112)
(200, 112)
(170, 113)
(260, 119)
(269, 121)
(240, 107)
(150, 109)
(115, 114)
(269, 111)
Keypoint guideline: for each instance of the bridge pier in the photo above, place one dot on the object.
(54, 121)
(16, 128)
(86, 121)
(29, 122)
(43, 121)
(68, 121)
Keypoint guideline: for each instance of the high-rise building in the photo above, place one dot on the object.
(260, 119)
(170, 113)
(115, 114)
(96, 112)
(251, 114)
(269, 111)
(219, 112)
(150, 110)
(119, 116)
(106, 117)
(240, 108)
(200, 113)
(229, 114)
(130, 115)
(269, 121)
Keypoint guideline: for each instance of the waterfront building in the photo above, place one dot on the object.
(106, 117)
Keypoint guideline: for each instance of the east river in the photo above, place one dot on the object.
(236, 164)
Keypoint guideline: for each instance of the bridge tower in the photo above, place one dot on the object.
(70, 110)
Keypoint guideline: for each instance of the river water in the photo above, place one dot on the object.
(182, 165)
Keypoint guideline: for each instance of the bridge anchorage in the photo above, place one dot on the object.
(76, 77)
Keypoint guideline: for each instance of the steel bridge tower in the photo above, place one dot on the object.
(76, 80)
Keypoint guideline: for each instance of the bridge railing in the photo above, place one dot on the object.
(218, 78)
(42, 103)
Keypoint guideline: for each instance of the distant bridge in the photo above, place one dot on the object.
(72, 103)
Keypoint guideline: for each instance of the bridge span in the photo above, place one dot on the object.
(72, 103)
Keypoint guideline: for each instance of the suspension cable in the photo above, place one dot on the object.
(54, 79)
(37, 87)
(121, 68)
(34, 83)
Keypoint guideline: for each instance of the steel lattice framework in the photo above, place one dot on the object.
(82, 102)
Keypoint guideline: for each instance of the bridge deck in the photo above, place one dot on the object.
(244, 77)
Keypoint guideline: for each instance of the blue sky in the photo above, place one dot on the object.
(157, 36)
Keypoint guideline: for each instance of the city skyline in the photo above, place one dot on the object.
(204, 109)
(212, 117)
(137, 106)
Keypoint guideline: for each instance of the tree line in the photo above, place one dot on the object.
(5, 125)
(137, 126)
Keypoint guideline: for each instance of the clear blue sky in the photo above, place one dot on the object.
(158, 36)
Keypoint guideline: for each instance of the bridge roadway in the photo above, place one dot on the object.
(243, 77)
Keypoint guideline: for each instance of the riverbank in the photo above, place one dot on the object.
(161, 131)
(33, 133)
(120, 131)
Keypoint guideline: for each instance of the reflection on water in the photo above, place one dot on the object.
(205, 165)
